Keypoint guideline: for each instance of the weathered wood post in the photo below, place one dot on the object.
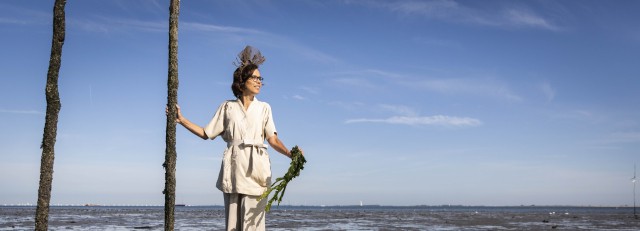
(172, 100)
(51, 119)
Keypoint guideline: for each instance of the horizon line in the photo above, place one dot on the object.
(300, 205)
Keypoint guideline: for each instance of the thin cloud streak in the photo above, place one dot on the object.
(528, 19)
(28, 112)
(27, 16)
(452, 11)
(266, 38)
(436, 120)
(217, 28)
(486, 87)
(107, 25)
(13, 21)
(299, 97)
(104, 24)
(467, 86)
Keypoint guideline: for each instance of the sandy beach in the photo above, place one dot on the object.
(332, 218)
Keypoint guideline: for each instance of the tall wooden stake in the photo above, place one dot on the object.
(633, 180)
(51, 119)
(172, 100)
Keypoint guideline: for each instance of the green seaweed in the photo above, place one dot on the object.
(280, 185)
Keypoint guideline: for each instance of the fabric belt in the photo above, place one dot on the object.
(257, 146)
(254, 144)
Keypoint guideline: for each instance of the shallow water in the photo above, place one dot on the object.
(331, 218)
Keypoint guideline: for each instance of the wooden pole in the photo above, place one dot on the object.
(172, 101)
(51, 119)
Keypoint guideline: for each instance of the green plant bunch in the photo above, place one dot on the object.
(280, 185)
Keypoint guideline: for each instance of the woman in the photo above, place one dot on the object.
(244, 124)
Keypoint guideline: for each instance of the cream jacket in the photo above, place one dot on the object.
(246, 168)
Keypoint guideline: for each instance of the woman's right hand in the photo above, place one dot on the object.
(178, 114)
(193, 128)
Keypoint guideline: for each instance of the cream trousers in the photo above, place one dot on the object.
(244, 212)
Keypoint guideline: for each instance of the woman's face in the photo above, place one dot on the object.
(253, 84)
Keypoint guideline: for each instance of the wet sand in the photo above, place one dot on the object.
(212, 218)
(426, 220)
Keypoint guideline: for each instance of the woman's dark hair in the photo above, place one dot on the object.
(240, 77)
(248, 61)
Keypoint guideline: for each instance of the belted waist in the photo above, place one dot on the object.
(257, 147)
(247, 143)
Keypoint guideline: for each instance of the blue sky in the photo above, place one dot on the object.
(394, 102)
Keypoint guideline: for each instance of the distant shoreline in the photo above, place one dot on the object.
(342, 206)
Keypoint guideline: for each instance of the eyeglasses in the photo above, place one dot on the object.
(256, 78)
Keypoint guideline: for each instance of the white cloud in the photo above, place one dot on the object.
(110, 24)
(217, 28)
(268, 39)
(31, 112)
(439, 120)
(468, 86)
(373, 79)
(12, 21)
(405, 115)
(452, 11)
(106, 24)
(23, 16)
(528, 19)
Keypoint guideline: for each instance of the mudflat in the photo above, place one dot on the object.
(333, 218)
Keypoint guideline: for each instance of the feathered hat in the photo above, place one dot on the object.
(249, 55)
